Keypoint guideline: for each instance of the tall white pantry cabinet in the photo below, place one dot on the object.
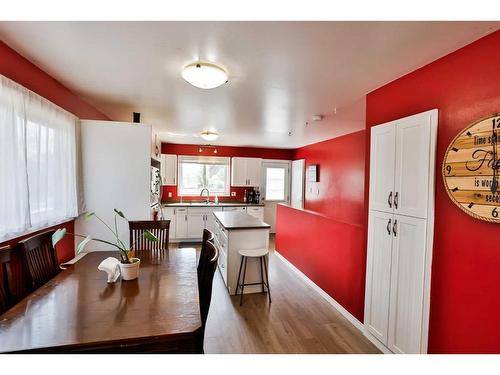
(400, 232)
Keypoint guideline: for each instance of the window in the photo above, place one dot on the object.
(199, 172)
(275, 184)
(38, 184)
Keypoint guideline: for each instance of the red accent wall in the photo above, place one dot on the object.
(465, 286)
(326, 241)
(227, 151)
(21, 70)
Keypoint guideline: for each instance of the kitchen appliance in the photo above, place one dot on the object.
(250, 196)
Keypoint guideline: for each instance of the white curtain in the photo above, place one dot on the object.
(38, 171)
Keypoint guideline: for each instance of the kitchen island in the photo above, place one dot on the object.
(236, 231)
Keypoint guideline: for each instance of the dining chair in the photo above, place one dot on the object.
(206, 271)
(5, 295)
(40, 258)
(160, 228)
(207, 236)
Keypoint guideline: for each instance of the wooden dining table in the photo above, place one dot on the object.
(79, 312)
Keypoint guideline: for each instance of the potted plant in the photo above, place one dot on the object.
(129, 264)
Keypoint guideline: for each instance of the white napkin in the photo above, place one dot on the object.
(111, 267)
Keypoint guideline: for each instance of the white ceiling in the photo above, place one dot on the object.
(281, 73)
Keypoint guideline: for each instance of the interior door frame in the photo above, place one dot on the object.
(277, 162)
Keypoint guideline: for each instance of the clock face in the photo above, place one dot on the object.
(471, 169)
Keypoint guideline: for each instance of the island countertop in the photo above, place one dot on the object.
(239, 220)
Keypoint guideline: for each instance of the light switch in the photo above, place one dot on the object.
(170, 194)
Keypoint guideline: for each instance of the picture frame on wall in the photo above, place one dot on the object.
(312, 173)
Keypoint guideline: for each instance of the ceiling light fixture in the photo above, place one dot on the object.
(204, 75)
(200, 148)
(209, 136)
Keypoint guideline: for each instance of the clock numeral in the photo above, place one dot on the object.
(448, 169)
(494, 213)
(496, 122)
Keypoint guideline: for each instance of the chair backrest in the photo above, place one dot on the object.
(160, 228)
(207, 236)
(40, 258)
(5, 295)
(207, 267)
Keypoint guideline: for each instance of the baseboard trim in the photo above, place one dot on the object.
(351, 318)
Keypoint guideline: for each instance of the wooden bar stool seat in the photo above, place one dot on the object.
(253, 253)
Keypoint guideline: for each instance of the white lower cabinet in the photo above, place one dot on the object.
(407, 284)
(257, 212)
(378, 275)
(394, 302)
(189, 222)
(181, 223)
(169, 214)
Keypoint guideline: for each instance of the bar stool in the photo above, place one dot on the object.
(254, 253)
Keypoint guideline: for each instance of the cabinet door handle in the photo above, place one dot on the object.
(396, 200)
(185, 217)
(395, 228)
(389, 199)
(389, 227)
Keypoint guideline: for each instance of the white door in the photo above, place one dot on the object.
(239, 171)
(254, 171)
(168, 213)
(378, 274)
(275, 188)
(169, 169)
(195, 224)
(413, 149)
(382, 155)
(407, 285)
(297, 195)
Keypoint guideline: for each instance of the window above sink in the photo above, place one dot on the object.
(199, 172)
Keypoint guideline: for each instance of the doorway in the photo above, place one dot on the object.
(275, 188)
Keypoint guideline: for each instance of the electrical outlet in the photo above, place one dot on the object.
(170, 194)
(233, 194)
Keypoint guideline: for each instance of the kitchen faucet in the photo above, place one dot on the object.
(208, 194)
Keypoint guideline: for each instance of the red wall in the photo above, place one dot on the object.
(465, 286)
(227, 151)
(19, 69)
(326, 241)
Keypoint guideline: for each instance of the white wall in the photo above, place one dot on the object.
(116, 174)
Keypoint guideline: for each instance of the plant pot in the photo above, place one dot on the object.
(130, 271)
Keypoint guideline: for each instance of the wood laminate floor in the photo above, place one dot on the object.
(298, 320)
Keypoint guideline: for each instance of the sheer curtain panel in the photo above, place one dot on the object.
(38, 171)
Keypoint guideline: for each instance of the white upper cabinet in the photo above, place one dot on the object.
(254, 171)
(239, 172)
(407, 285)
(246, 171)
(413, 148)
(400, 156)
(382, 155)
(168, 169)
(378, 274)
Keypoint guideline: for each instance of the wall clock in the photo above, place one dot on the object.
(471, 169)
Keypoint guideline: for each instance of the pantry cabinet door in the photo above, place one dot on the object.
(407, 285)
(382, 155)
(413, 156)
(378, 273)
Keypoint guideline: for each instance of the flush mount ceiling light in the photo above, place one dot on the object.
(209, 136)
(204, 75)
